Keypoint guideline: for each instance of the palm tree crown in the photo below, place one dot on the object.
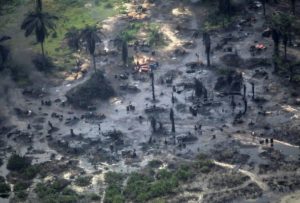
(39, 23)
(90, 37)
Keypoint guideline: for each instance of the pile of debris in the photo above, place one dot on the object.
(34, 92)
(144, 65)
(232, 60)
(97, 87)
(115, 135)
(231, 83)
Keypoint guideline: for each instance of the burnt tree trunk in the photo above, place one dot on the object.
(172, 120)
(152, 85)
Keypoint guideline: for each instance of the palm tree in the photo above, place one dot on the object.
(282, 27)
(4, 51)
(38, 22)
(90, 37)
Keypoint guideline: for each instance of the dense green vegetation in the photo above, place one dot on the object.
(56, 191)
(151, 184)
(20, 190)
(21, 175)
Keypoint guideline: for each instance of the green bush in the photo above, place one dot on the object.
(114, 194)
(155, 37)
(17, 163)
(56, 192)
(20, 190)
(184, 173)
(4, 190)
(94, 197)
(113, 178)
(21, 186)
(155, 163)
(30, 172)
(83, 181)
(22, 195)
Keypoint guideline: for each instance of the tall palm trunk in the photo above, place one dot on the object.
(43, 51)
(285, 42)
(43, 54)
(94, 62)
(208, 58)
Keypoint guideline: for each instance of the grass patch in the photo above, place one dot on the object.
(75, 15)
(130, 32)
(216, 22)
(71, 13)
(154, 36)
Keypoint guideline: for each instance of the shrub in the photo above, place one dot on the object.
(56, 192)
(42, 63)
(22, 195)
(30, 172)
(155, 163)
(83, 181)
(4, 190)
(184, 173)
(17, 163)
(20, 190)
(94, 197)
(113, 195)
(113, 178)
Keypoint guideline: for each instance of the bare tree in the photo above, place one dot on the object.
(152, 85)
(172, 120)
(207, 44)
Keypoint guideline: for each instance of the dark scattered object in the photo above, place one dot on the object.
(267, 32)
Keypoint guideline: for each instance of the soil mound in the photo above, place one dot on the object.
(97, 87)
